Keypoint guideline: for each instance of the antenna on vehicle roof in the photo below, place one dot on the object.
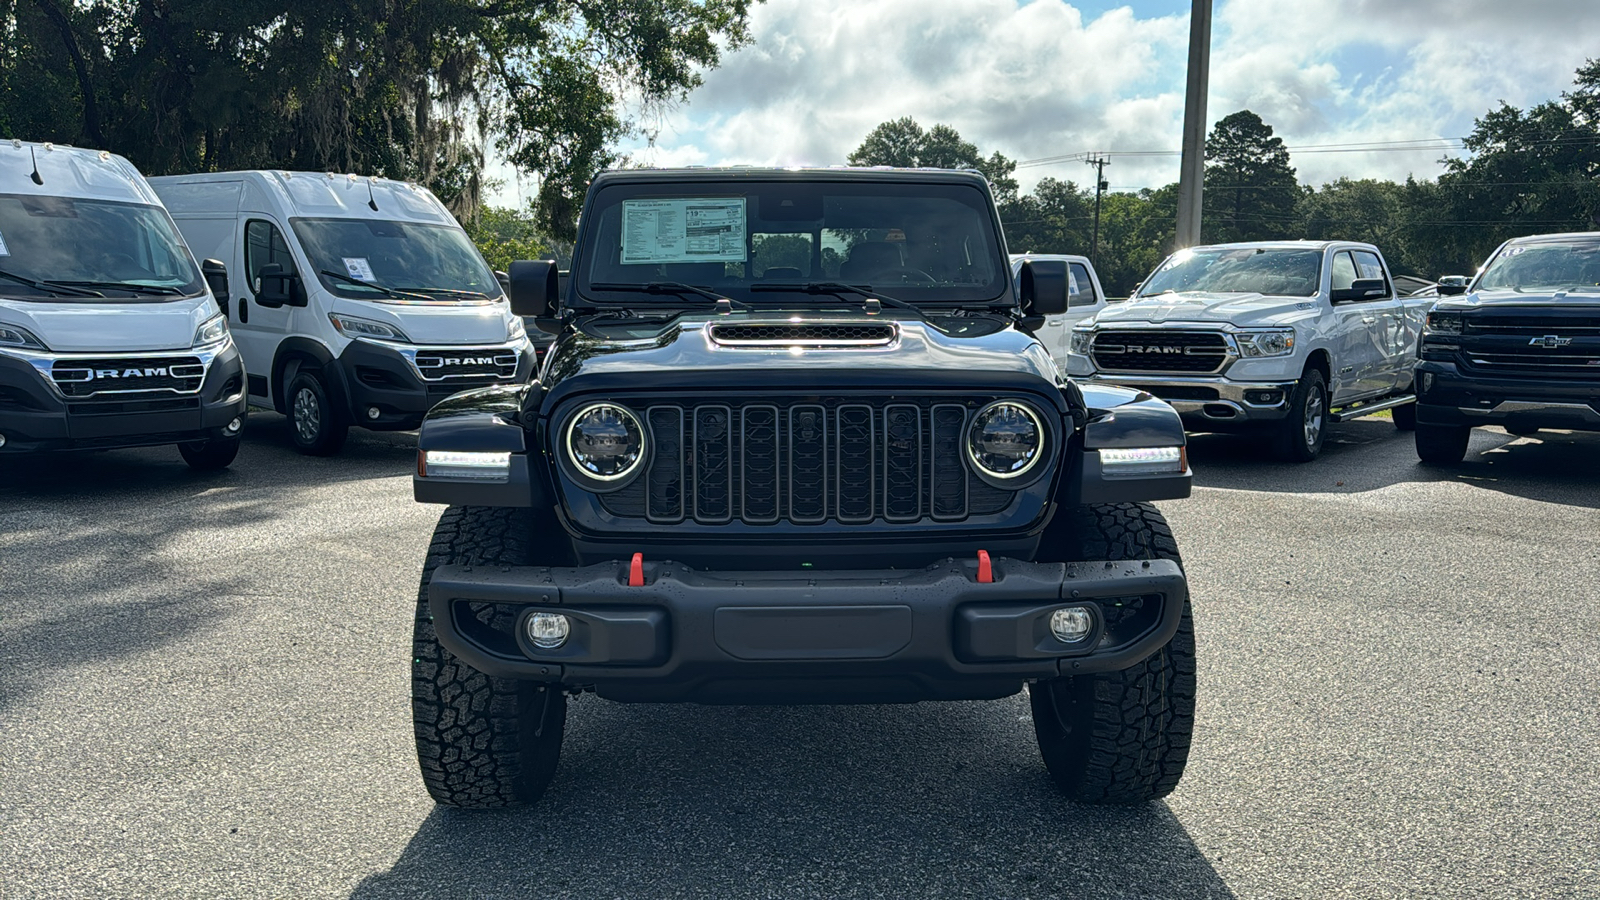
(37, 178)
(371, 200)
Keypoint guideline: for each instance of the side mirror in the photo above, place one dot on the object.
(216, 275)
(1452, 285)
(275, 288)
(535, 289)
(1360, 289)
(1043, 287)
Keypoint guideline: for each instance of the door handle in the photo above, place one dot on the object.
(244, 311)
(1368, 320)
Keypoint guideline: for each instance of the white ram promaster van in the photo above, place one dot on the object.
(109, 336)
(356, 301)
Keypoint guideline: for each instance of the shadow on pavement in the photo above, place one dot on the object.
(926, 800)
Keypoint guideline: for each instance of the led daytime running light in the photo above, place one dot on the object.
(1143, 460)
(466, 465)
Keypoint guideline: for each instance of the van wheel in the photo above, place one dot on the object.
(209, 456)
(317, 427)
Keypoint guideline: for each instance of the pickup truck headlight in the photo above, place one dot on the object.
(1257, 344)
(213, 331)
(353, 327)
(1444, 322)
(1080, 342)
(605, 443)
(1005, 441)
(17, 336)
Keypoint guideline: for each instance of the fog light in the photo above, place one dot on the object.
(548, 631)
(1427, 382)
(234, 426)
(1071, 624)
(373, 412)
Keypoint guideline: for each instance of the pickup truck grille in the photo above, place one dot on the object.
(806, 462)
(1532, 346)
(153, 375)
(1193, 352)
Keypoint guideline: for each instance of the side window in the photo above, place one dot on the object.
(1368, 265)
(1084, 295)
(1344, 271)
(263, 246)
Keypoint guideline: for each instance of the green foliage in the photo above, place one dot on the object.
(1250, 189)
(903, 142)
(504, 236)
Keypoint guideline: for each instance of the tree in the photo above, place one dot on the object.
(1055, 218)
(410, 89)
(1250, 188)
(902, 142)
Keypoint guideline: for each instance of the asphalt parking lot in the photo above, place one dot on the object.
(205, 694)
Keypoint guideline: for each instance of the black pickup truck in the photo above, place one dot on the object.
(795, 442)
(1519, 347)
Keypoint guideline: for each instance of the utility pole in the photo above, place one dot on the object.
(1099, 163)
(1191, 177)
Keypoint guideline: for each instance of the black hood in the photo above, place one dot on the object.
(1505, 299)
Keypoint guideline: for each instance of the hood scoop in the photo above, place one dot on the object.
(805, 334)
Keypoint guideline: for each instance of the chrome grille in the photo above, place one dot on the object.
(128, 375)
(463, 363)
(1199, 352)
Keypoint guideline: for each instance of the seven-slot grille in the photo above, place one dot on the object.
(442, 365)
(1532, 346)
(807, 462)
(1200, 352)
(128, 375)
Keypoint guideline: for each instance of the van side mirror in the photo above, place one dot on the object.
(216, 275)
(1043, 287)
(276, 288)
(535, 291)
(1360, 289)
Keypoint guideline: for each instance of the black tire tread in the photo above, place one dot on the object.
(1442, 445)
(335, 424)
(1290, 444)
(1405, 416)
(209, 456)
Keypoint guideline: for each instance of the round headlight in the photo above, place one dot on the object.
(605, 442)
(1006, 440)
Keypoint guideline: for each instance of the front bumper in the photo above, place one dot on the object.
(1205, 402)
(384, 376)
(806, 636)
(1447, 396)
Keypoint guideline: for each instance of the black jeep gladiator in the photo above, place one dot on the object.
(796, 443)
(1519, 347)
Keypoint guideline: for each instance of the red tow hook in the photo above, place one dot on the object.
(985, 568)
(636, 571)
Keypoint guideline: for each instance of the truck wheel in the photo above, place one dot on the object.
(1120, 737)
(1300, 434)
(482, 742)
(1442, 445)
(1405, 417)
(209, 456)
(316, 425)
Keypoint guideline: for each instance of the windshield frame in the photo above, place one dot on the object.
(976, 241)
(104, 291)
(1183, 256)
(436, 295)
(1513, 248)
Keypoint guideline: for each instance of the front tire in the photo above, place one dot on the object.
(209, 456)
(1301, 432)
(316, 425)
(1405, 416)
(1442, 445)
(482, 742)
(1119, 737)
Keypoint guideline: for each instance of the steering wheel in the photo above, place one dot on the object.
(907, 275)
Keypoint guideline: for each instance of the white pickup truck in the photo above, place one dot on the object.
(1276, 337)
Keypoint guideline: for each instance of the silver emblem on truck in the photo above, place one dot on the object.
(1549, 342)
(127, 373)
(468, 361)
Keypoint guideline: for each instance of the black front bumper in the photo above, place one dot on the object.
(376, 376)
(1448, 396)
(34, 417)
(806, 636)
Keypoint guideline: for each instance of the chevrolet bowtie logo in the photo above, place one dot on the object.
(1549, 341)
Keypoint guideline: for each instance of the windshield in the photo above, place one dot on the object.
(929, 242)
(437, 261)
(1544, 266)
(120, 251)
(1255, 270)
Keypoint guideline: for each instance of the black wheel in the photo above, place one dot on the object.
(1119, 737)
(482, 742)
(1405, 417)
(1301, 432)
(209, 456)
(1442, 445)
(316, 425)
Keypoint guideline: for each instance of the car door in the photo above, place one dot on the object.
(1387, 331)
(258, 330)
(1358, 326)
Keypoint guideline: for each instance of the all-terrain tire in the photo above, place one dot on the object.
(1300, 434)
(1442, 445)
(209, 456)
(482, 742)
(316, 425)
(1119, 737)
(1405, 416)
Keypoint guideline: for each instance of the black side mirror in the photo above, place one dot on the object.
(275, 288)
(1452, 285)
(1360, 289)
(216, 274)
(535, 288)
(1043, 287)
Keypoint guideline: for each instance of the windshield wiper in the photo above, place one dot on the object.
(676, 288)
(839, 289)
(131, 286)
(52, 288)
(458, 292)
(374, 285)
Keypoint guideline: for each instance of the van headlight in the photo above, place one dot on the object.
(1257, 344)
(516, 330)
(213, 331)
(605, 444)
(17, 336)
(353, 327)
(1005, 442)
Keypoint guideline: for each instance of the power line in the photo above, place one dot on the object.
(1409, 145)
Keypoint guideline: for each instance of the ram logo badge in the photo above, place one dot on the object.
(468, 361)
(127, 373)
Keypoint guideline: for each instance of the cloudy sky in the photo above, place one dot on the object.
(1036, 79)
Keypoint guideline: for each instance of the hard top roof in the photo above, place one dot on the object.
(799, 173)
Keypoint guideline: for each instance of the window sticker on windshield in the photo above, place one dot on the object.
(3, 250)
(688, 230)
(358, 267)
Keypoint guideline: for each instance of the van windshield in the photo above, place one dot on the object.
(423, 263)
(78, 250)
(1288, 272)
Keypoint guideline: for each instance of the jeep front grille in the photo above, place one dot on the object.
(77, 378)
(445, 365)
(806, 462)
(1193, 352)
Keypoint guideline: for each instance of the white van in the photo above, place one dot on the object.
(1085, 297)
(356, 301)
(109, 335)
